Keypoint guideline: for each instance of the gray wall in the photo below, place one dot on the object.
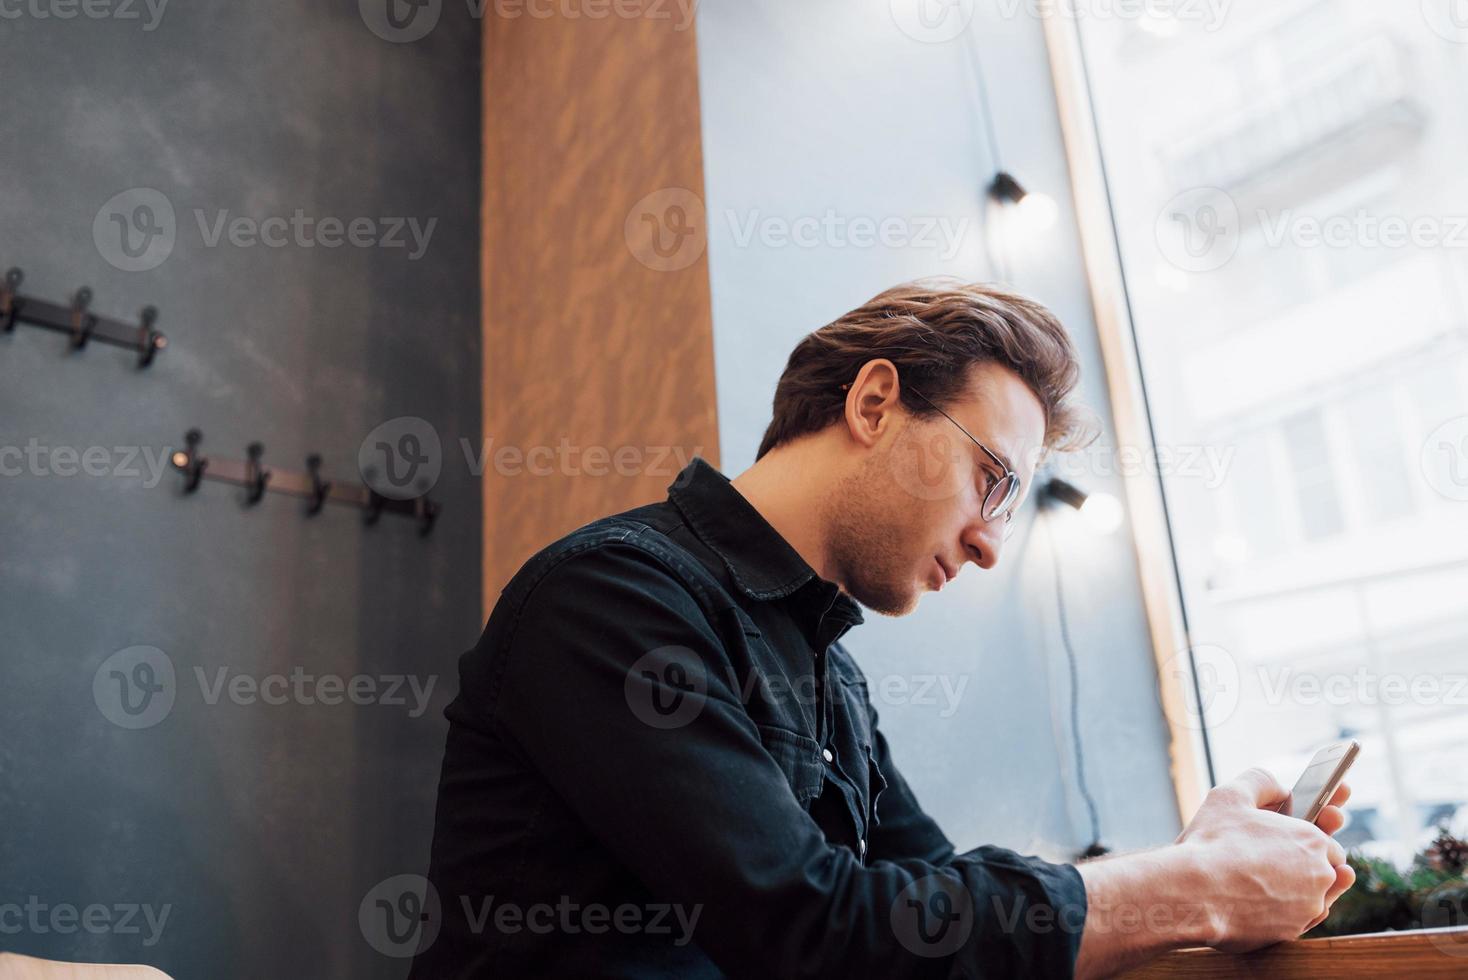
(260, 827)
(828, 105)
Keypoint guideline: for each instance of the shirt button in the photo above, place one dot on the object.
(863, 845)
(826, 754)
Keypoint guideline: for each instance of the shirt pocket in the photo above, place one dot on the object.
(798, 757)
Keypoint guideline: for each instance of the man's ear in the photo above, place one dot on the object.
(872, 401)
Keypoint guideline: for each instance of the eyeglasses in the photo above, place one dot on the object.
(1002, 496)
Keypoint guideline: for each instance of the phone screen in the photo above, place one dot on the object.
(1325, 770)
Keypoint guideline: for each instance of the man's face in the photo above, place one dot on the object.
(912, 516)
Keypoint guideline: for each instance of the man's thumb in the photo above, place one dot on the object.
(1260, 788)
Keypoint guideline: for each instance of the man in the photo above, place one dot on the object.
(661, 761)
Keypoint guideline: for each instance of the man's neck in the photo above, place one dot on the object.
(787, 489)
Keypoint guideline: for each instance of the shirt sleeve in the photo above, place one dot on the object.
(616, 686)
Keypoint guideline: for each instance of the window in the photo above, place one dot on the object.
(1291, 215)
(1315, 481)
(1381, 467)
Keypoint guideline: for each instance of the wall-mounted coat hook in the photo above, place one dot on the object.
(258, 480)
(9, 302)
(77, 321)
(319, 487)
(427, 512)
(190, 462)
(256, 475)
(82, 322)
(372, 510)
(149, 341)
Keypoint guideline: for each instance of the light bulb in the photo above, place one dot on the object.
(1103, 512)
(1036, 212)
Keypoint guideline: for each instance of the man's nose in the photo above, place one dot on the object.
(983, 541)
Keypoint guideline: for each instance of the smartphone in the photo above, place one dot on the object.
(1319, 781)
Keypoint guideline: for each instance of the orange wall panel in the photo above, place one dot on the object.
(598, 348)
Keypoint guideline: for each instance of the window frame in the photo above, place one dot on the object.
(1191, 763)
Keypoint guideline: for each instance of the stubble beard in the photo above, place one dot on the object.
(863, 525)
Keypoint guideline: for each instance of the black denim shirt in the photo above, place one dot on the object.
(662, 763)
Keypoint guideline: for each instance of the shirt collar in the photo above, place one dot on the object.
(761, 562)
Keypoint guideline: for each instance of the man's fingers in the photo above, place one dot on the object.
(1259, 787)
(1331, 819)
(1335, 853)
(1345, 877)
(1342, 794)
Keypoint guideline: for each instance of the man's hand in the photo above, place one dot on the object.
(1239, 877)
(1269, 877)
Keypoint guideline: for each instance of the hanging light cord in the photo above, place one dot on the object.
(986, 106)
(997, 261)
(1095, 848)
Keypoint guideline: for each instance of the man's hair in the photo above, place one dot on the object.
(934, 330)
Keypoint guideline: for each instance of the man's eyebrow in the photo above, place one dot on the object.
(1001, 457)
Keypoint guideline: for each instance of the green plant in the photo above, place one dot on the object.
(1432, 892)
